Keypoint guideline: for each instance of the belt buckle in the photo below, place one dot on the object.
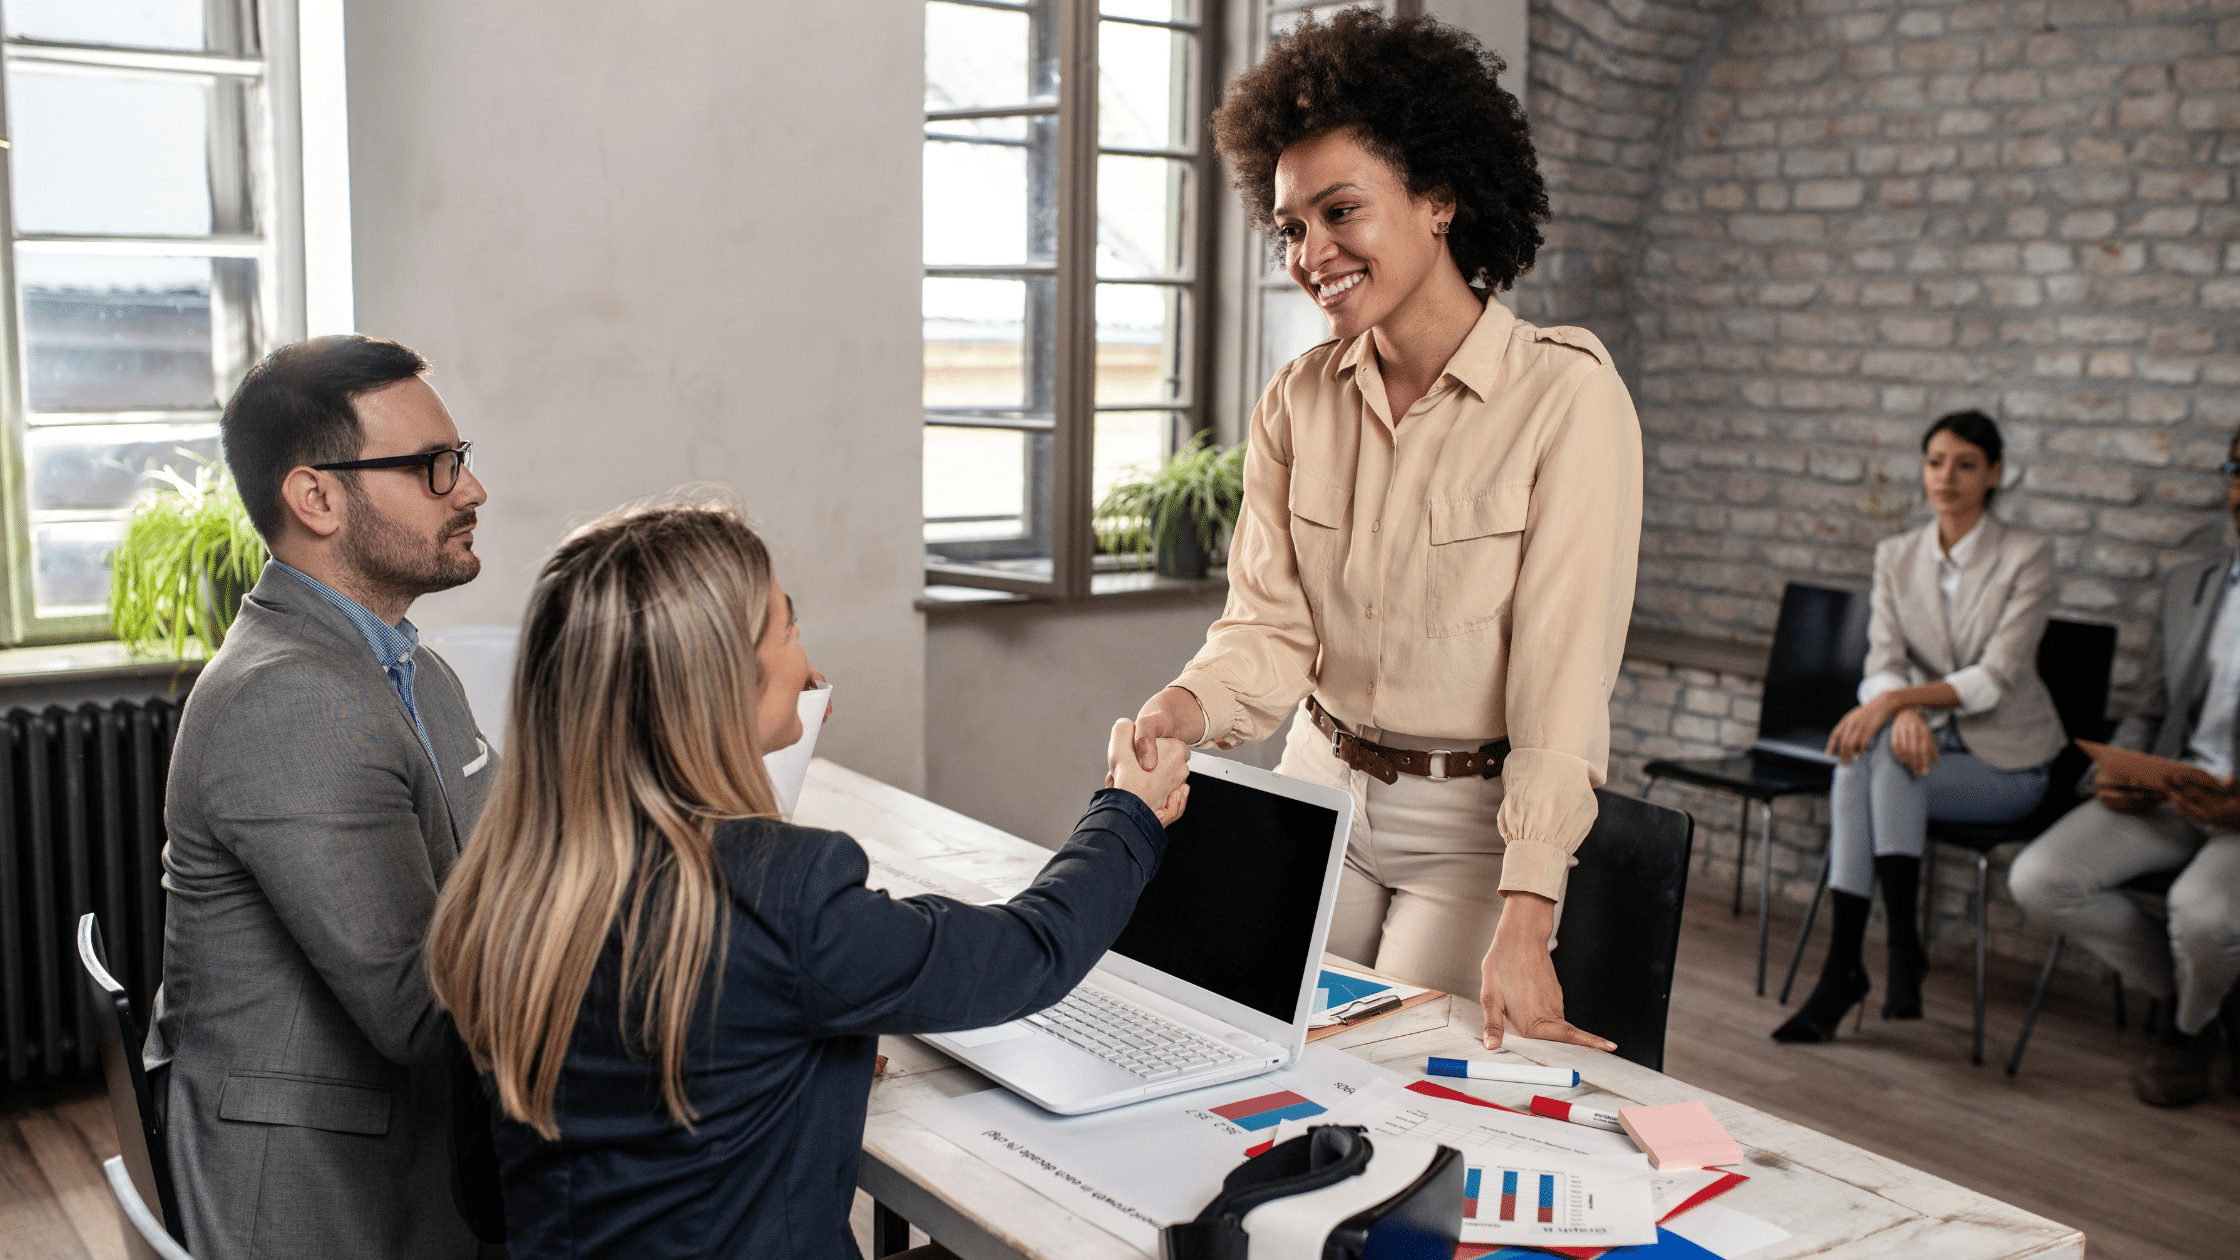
(1438, 773)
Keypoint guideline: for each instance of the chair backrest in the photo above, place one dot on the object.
(1812, 676)
(2076, 660)
(132, 1104)
(1620, 934)
(144, 1236)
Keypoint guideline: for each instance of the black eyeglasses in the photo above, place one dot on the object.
(443, 466)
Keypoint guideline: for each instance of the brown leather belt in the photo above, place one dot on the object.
(1388, 764)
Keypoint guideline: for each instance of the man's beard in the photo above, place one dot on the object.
(396, 564)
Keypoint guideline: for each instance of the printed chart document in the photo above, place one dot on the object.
(1137, 1168)
(900, 876)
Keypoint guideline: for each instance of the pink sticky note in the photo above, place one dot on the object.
(1679, 1136)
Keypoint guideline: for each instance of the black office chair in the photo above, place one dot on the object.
(2153, 886)
(2075, 659)
(1812, 680)
(1620, 934)
(131, 1099)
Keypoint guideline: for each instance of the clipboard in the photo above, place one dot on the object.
(2121, 767)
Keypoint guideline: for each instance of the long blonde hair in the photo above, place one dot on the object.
(631, 736)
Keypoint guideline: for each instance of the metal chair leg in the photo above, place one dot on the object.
(1765, 885)
(1742, 858)
(1804, 932)
(2037, 999)
(1983, 927)
(890, 1233)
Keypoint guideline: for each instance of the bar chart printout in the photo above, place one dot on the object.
(1544, 1206)
(1268, 1110)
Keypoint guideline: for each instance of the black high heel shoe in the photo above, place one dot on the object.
(1831, 1000)
(1907, 968)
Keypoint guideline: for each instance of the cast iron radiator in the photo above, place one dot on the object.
(81, 801)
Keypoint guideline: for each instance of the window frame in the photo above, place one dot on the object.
(260, 43)
(1074, 407)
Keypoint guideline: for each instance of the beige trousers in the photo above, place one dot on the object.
(1420, 897)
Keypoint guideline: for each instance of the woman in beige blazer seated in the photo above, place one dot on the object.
(1953, 722)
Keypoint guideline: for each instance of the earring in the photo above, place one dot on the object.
(1440, 228)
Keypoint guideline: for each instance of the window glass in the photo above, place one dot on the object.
(1141, 224)
(1151, 10)
(109, 154)
(977, 206)
(975, 483)
(976, 56)
(976, 352)
(118, 332)
(1290, 325)
(172, 24)
(105, 467)
(1130, 444)
(70, 566)
(1139, 343)
(1142, 92)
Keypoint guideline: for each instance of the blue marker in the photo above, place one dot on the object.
(1514, 1073)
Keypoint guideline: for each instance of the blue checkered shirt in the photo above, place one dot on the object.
(393, 646)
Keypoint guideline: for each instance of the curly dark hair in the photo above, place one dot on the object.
(1419, 94)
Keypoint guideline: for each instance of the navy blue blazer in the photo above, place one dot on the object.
(784, 1038)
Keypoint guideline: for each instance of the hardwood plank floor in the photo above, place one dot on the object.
(2064, 1139)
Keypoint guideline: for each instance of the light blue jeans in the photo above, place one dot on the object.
(1879, 808)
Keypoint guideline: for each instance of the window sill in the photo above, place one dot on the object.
(1105, 590)
(87, 662)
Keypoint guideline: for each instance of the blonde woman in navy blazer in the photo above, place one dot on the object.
(1953, 722)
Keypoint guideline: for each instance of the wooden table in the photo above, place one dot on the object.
(1835, 1199)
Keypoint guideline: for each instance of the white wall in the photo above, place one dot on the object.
(1020, 701)
(652, 244)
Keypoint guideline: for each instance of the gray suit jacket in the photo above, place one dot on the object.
(308, 835)
(1999, 615)
(2177, 677)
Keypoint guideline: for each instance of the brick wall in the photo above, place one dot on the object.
(1871, 215)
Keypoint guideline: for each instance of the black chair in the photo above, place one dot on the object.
(2075, 660)
(1620, 934)
(131, 1098)
(1812, 680)
(2154, 886)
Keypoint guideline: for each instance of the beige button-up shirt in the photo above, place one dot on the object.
(1462, 572)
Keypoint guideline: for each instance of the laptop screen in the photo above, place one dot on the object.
(1233, 906)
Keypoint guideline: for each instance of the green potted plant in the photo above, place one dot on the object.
(1181, 512)
(187, 557)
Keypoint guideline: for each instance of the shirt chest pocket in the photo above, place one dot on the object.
(1318, 517)
(1477, 544)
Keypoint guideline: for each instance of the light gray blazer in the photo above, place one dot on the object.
(2178, 667)
(1998, 617)
(308, 834)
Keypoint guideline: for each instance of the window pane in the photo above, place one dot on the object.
(1142, 97)
(70, 565)
(103, 467)
(1154, 10)
(1139, 343)
(977, 348)
(975, 483)
(111, 333)
(1290, 325)
(1283, 23)
(977, 207)
(1140, 223)
(109, 155)
(133, 23)
(1130, 444)
(976, 56)
(1008, 128)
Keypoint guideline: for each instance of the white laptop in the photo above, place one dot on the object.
(1213, 979)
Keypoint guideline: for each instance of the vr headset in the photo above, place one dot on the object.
(1331, 1195)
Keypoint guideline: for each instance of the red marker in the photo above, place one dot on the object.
(1576, 1114)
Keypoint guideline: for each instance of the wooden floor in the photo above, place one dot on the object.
(2065, 1139)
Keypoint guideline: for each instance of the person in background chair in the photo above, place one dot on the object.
(326, 772)
(677, 995)
(2069, 878)
(1953, 722)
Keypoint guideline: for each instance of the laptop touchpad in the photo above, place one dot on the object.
(987, 1036)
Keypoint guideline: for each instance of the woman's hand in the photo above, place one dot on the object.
(1856, 732)
(1172, 714)
(1165, 787)
(1519, 991)
(1912, 742)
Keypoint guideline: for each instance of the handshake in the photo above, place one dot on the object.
(1165, 788)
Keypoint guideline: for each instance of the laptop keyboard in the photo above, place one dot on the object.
(1127, 1036)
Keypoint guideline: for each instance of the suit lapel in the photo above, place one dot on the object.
(1937, 640)
(2192, 660)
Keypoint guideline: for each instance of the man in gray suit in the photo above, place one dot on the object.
(2068, 879)
(326, 773)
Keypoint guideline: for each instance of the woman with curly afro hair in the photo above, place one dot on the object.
(1441, 519)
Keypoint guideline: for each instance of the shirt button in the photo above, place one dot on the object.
(1372, 689)
(1372, 614)
(1373, 526)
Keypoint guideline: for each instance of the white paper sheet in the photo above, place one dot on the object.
(1134, 1169)
(900, 876)
(1531, 1201)
(1724, 1232)
(789, 766)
